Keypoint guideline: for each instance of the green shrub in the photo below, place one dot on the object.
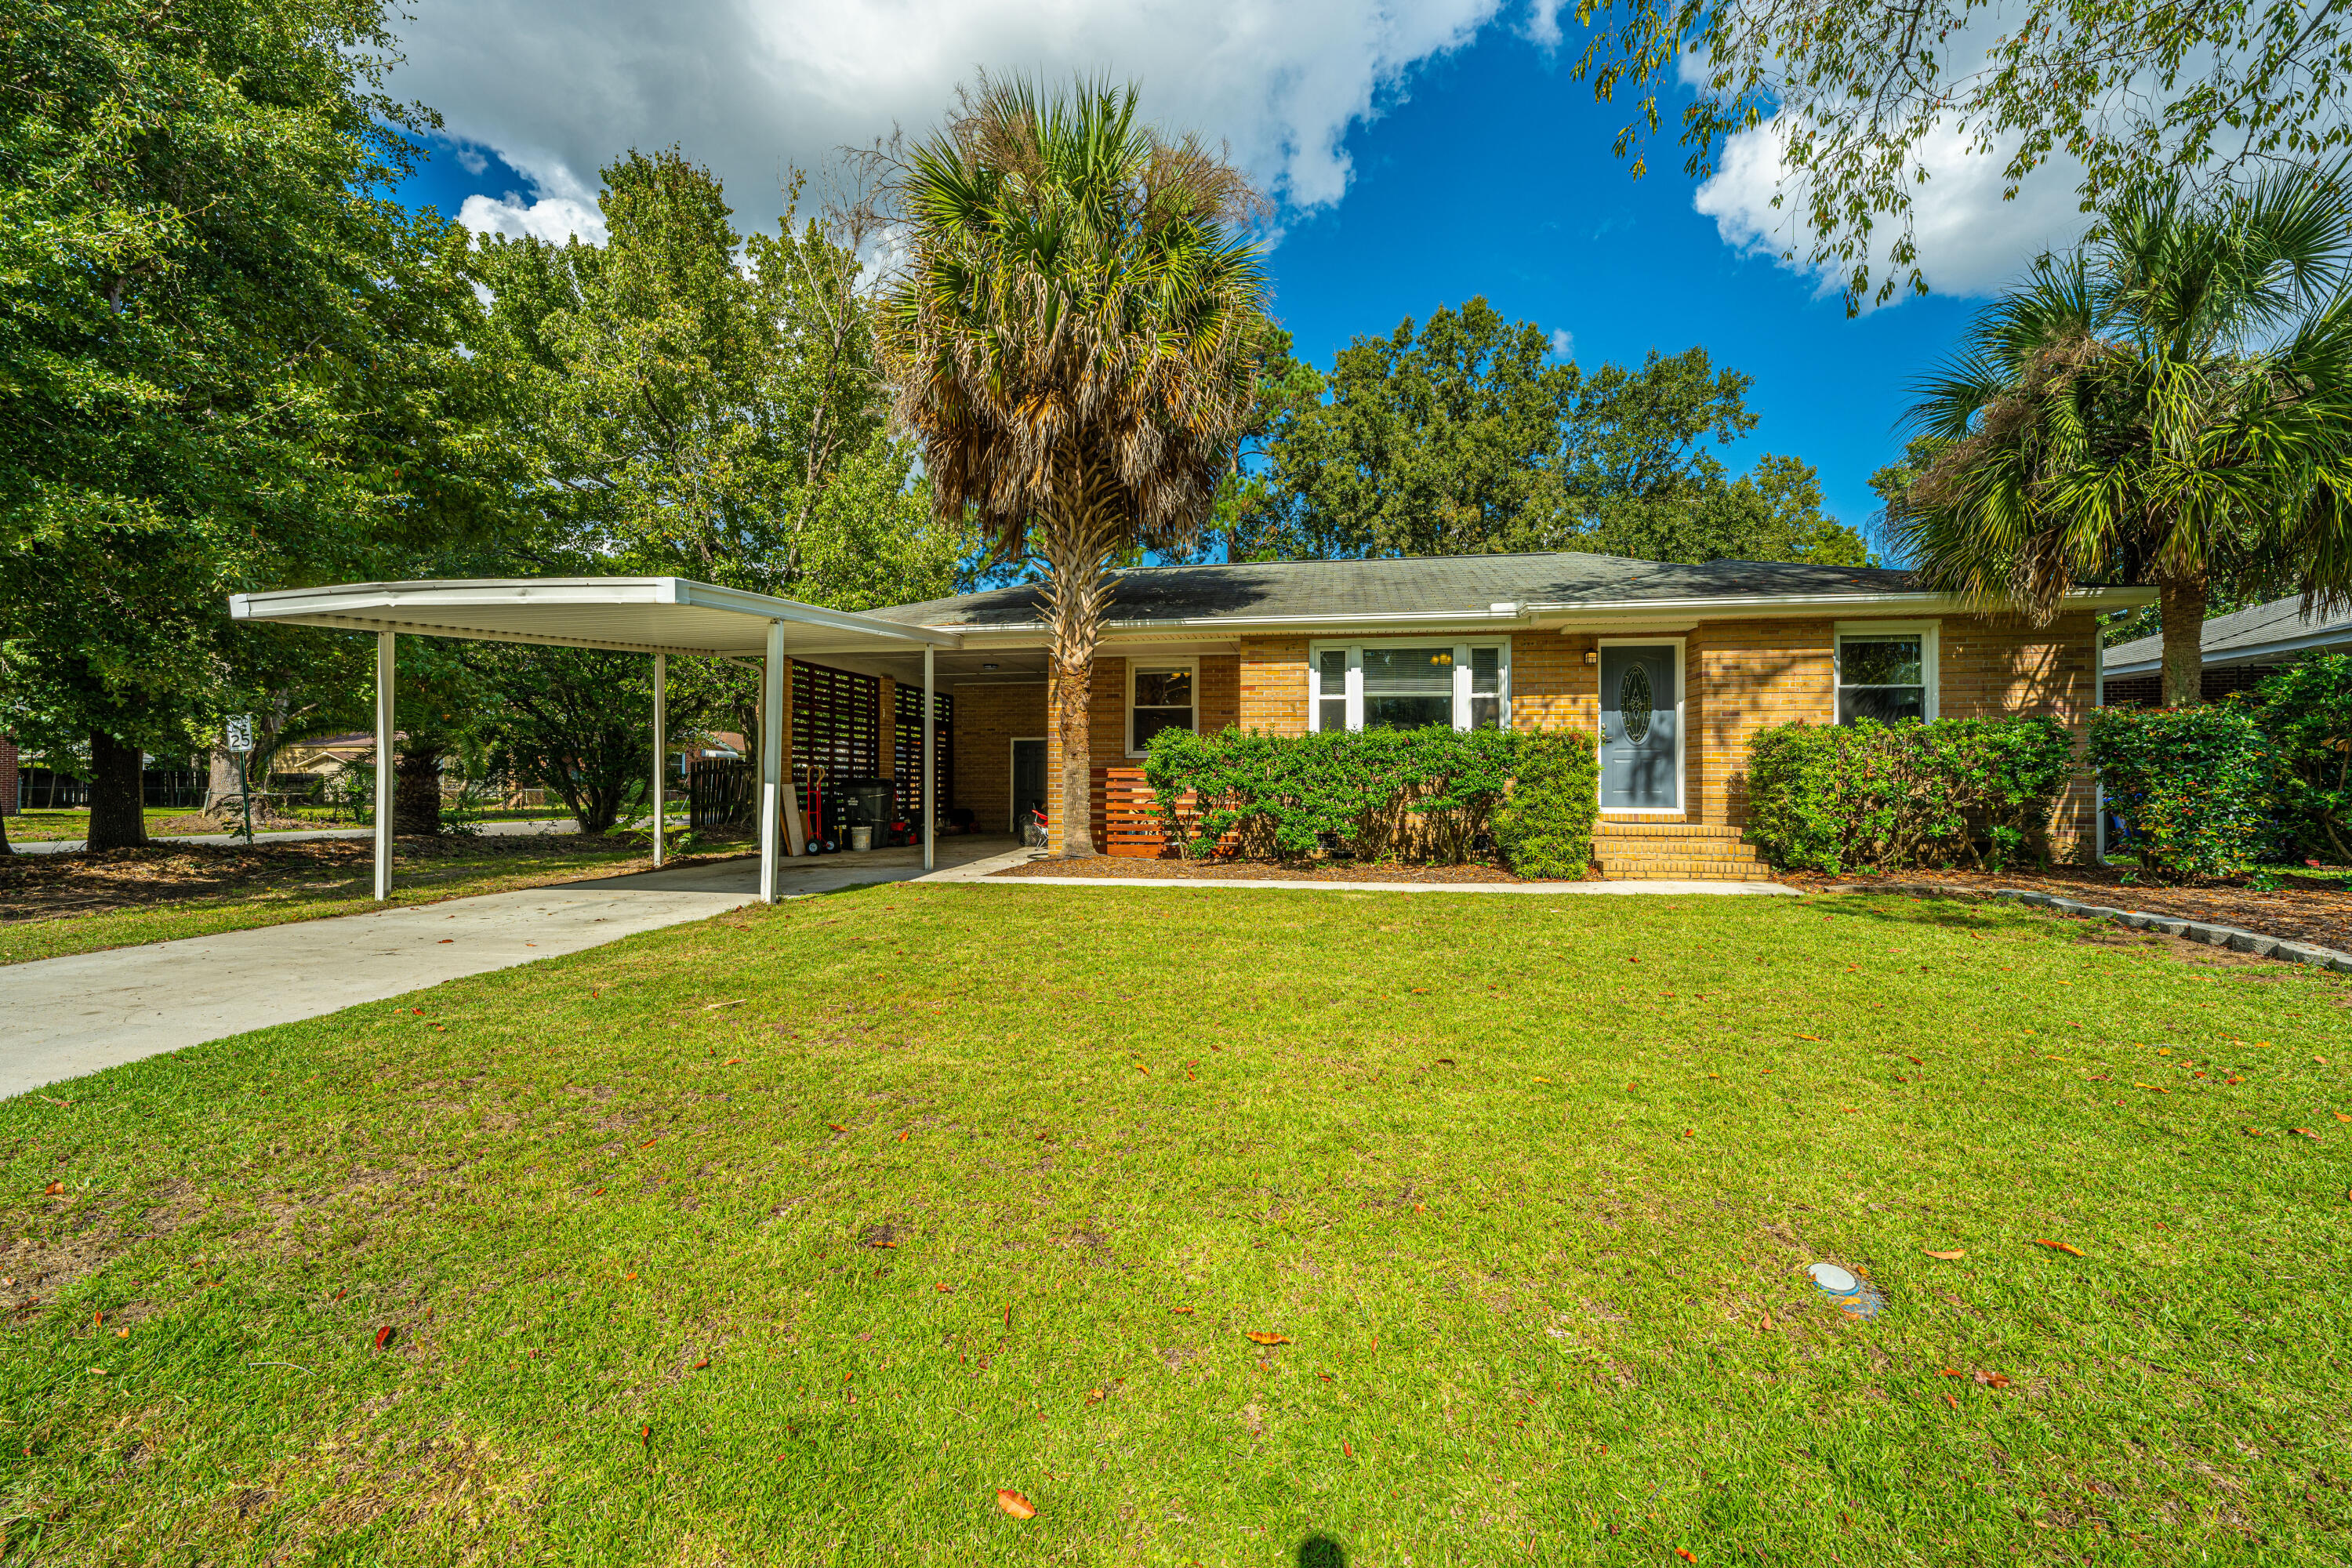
(1878, 797)
(2304, 711)
(1544, 827)
(2188, 783)
(1377, 794)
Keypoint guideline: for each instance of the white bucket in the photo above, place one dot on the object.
(861, 838)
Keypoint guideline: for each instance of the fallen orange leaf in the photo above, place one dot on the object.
(1952, 1402)
(2340, 1116)
(2071, 1250)
(1952, 1372)
(1957, 1252)
(1180, 1309)
(1093, 1396)
(1815, 1037)
(1260, 1337)
(122, 1333)
(944, 1290)
(53, 1189)
(1347, 1450)
(1686, 1556)
(1992, 1379)
(703, 1363)
(1013, 1503)
(383, 1336)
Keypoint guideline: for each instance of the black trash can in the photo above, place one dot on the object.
(862, 803)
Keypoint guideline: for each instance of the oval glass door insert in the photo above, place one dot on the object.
(1634, 703)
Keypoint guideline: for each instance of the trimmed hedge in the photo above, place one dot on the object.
(2306, 711)
(1544, 827)
(1872, 796)
(1377, 794)
(2189, 784)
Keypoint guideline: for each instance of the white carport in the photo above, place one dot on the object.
(653, 615)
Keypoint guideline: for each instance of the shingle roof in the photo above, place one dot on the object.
(1465, 586)
(2241, 637)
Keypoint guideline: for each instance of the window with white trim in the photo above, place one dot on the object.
(1885, 672)
(1163, 695)
(1403, 685)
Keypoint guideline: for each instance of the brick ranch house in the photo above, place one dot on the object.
(1674, 667)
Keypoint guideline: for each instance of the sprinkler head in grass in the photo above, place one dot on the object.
(1847, 1291)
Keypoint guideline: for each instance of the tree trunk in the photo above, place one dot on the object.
(118, 814)
(222, 786)
(1076, 546)
(2181, 603)
(416, 791)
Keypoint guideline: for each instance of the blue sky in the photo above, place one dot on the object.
(1489, 171)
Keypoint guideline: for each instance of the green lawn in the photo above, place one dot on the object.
(1525, 1184)
(298, 882)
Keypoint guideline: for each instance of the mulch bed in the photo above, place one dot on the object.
(51, 886)
(2316, 909)
(1137, 868)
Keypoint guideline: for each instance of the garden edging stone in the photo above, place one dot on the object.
(2233, 938)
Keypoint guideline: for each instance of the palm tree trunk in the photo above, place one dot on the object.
(1077, 545)
(2180, 604)
(416, 791)
(117, 796)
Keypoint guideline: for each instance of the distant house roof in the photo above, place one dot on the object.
(2263, 635)
(1428, 588)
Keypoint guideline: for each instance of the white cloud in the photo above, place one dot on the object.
(1563, 343)
(1970, 241)
(559, 207)
(753, 87)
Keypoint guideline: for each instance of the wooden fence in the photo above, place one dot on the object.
(1126, 815)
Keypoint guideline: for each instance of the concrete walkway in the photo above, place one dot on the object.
(61, 1017)
(296, 835)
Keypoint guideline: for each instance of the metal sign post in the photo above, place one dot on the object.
(240, 745)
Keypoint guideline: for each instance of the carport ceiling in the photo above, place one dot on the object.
(630, 614)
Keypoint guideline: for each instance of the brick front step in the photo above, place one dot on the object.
(1635, 850)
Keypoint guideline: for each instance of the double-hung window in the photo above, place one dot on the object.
(1406, 685)
(1885, 671)
(1160, 696)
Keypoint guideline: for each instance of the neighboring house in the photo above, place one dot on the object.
(1674, 667)
(2239, 649)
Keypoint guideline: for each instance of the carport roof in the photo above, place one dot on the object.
(631, 615)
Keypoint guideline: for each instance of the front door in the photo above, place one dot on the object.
(1639, 751)
(1028, 781)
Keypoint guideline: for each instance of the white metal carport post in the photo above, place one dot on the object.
(930, 754)
(382, 766)
(661, 746)
(771, 758)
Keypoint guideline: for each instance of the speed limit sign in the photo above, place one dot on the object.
(240, 732)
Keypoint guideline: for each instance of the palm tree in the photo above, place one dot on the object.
(1075, 339)
(2169, 405)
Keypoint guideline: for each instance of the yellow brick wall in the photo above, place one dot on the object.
(1552, 686)
(1746, 676)
(1220, 692)
(1739, 677)
(988, 719)
(1274, 685)
(1997, 664)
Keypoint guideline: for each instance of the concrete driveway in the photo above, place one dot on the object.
(61, 1017)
